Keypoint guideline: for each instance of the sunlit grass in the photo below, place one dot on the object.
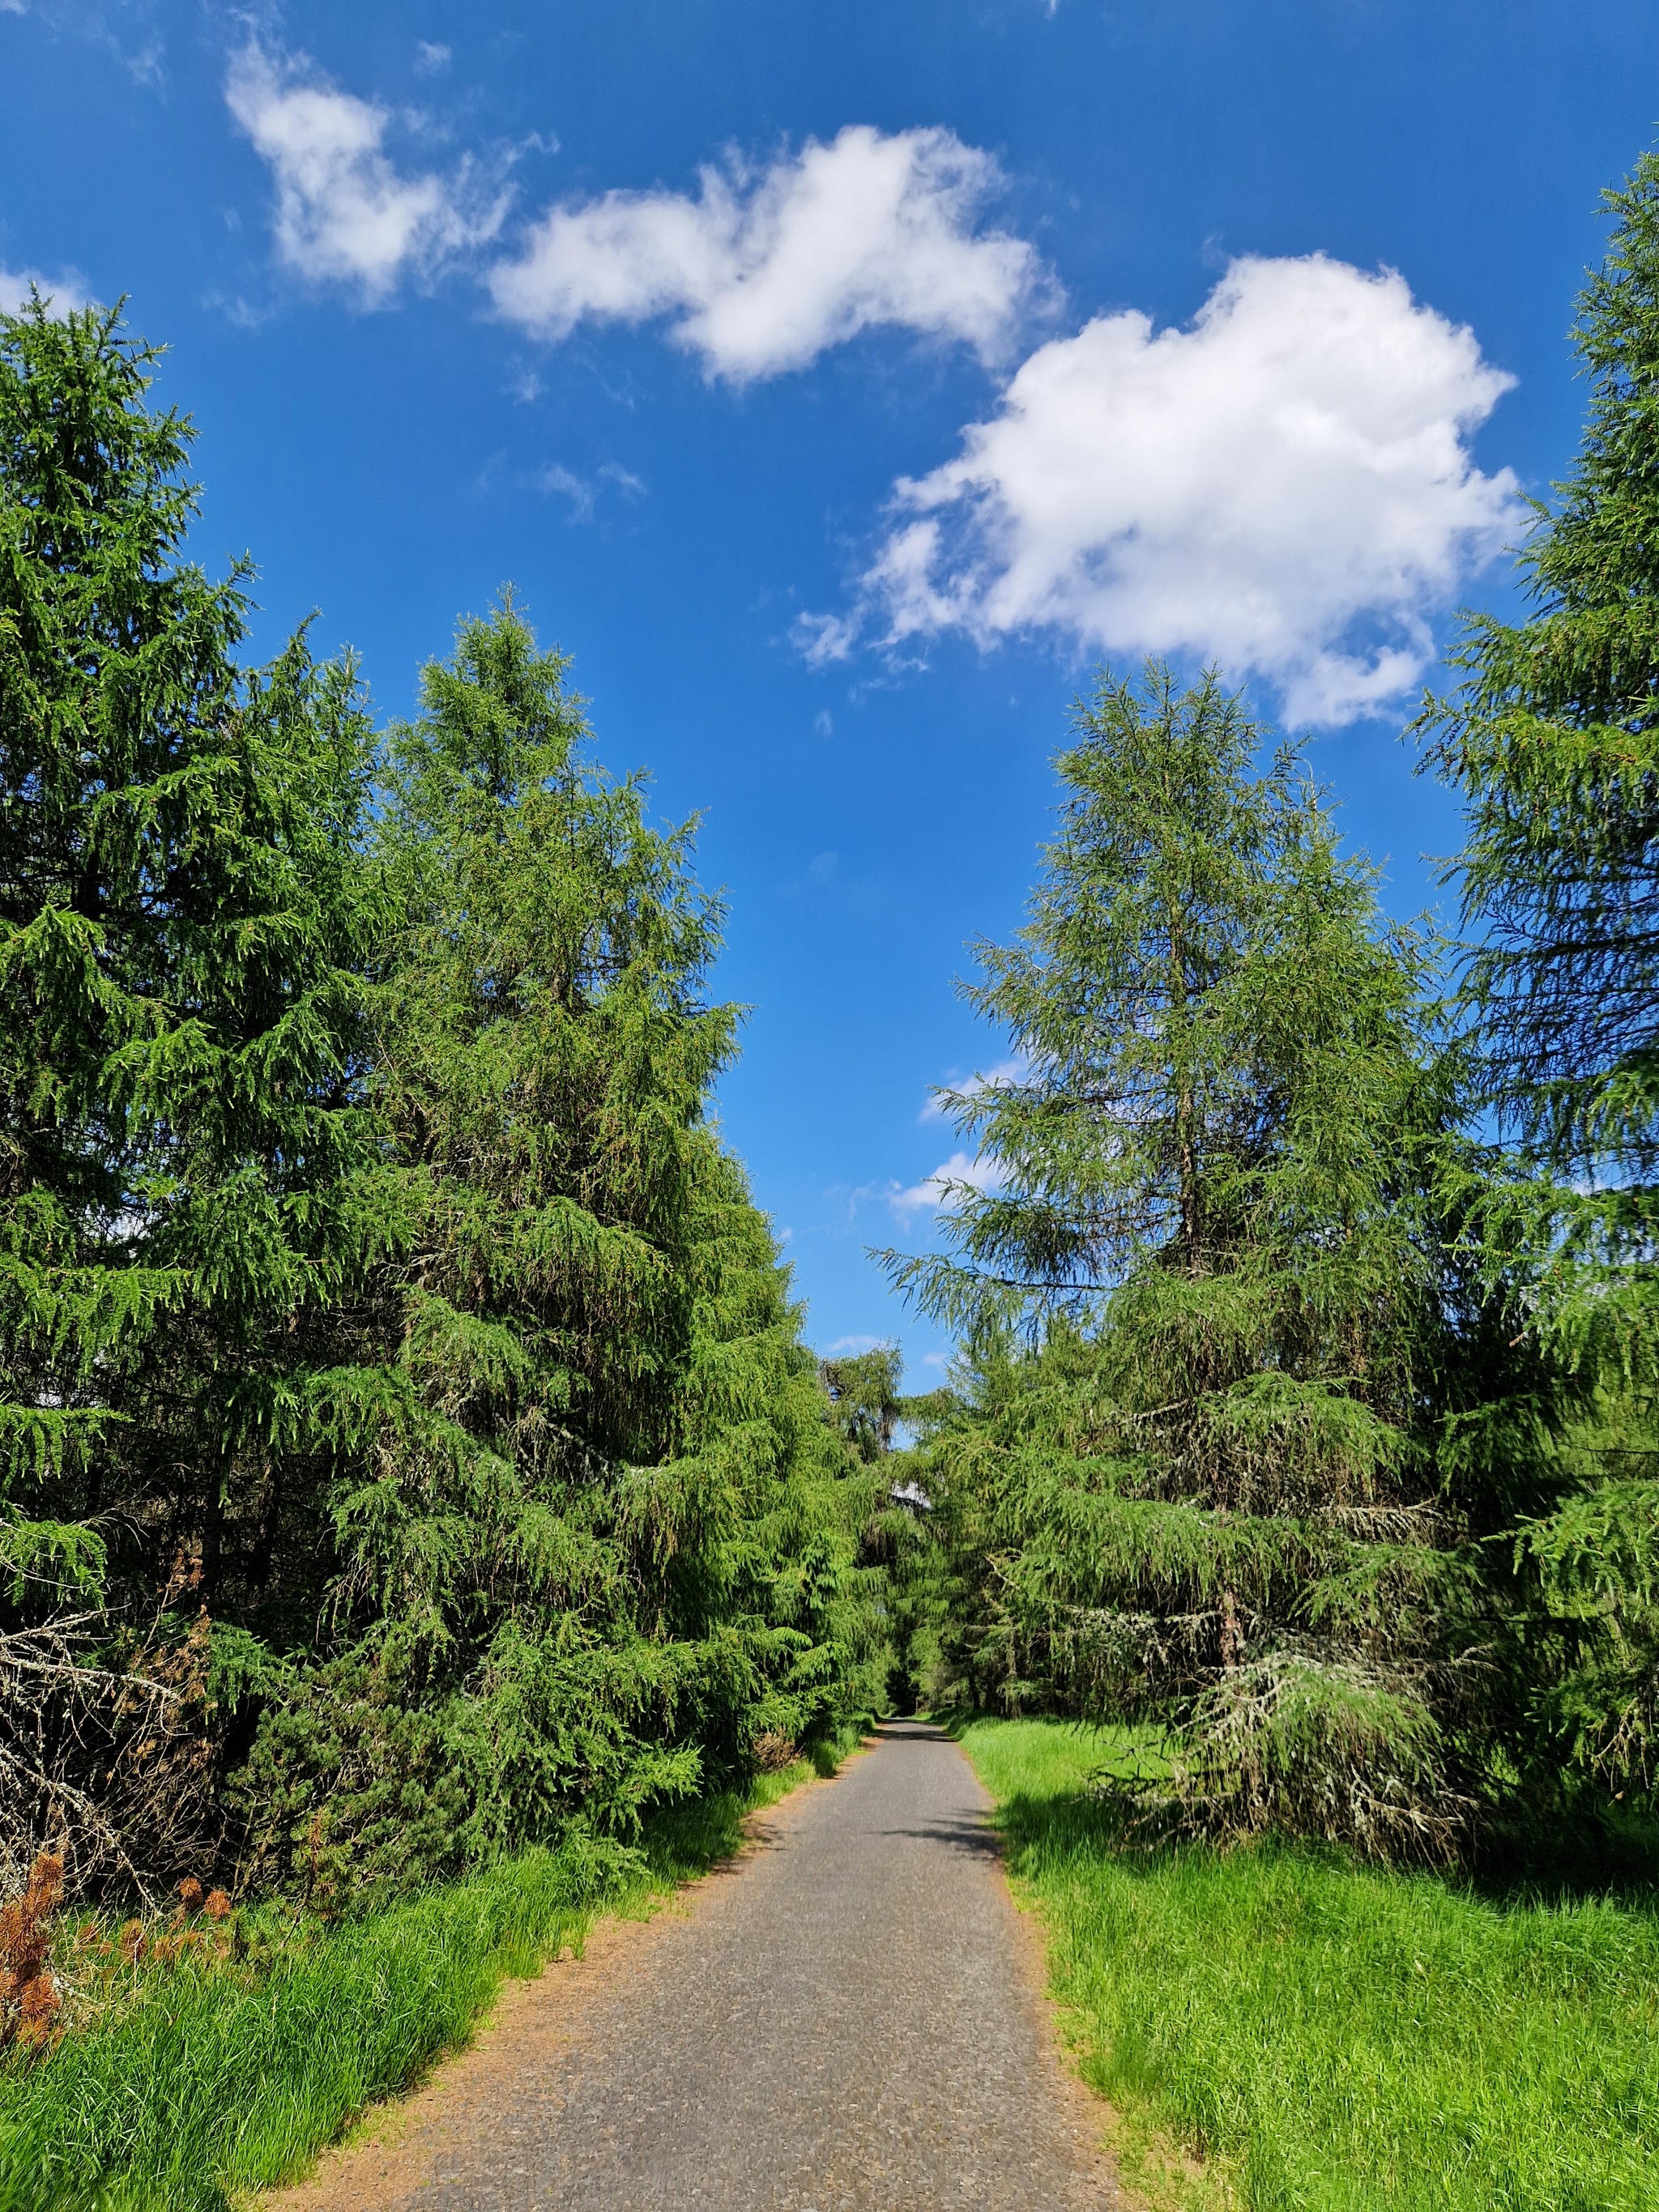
(1335, 2038)
(221, 2078)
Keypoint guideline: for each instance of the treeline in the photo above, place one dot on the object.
(1306, 1409)
(408, 1450)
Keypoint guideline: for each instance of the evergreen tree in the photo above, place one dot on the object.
(401, 1401)
(866, 1408)
(863, 1389)
(594, 1534)
(188, 1191)
(1215, 1486)
(1553, 739)
(114, 660)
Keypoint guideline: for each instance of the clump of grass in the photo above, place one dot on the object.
(1337, 2037)
(218, 2076)
(224, 2067)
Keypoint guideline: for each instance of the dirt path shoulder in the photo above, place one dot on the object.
(849, 2017)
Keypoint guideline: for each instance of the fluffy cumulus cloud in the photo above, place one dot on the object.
(761, 270)
(1286, 487)
(344, 213)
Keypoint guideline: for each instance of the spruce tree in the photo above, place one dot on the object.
(1206, 1485)
(595, 1536)
(113, 660)
(189, 1194)
(1552, 738)
(401, 1400)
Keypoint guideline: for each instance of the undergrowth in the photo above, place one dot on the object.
(223, 2070)
(1329, 2037)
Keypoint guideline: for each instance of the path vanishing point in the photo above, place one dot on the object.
(848, 2018)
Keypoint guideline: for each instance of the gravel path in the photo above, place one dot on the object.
(849, 2019)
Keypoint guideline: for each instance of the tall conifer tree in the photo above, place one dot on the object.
(1554, 740)
(1213, 1492)
(595, 1532)
(183, 918)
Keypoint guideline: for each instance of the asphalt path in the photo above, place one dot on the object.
(848, 2019)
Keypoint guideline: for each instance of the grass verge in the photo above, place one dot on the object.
(1327, 2036)
(217, 2080)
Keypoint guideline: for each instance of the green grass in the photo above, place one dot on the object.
(218, 2079)
(1331, 2037)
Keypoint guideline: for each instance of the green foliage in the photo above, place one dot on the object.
(188, 1192)
(864, 1391)
(1209, 1486)
(212, 2078)
(113, 662)
(1329, 2034)
(223, 2077)
(1551, 739)
(593, 1535)
(403, 1416)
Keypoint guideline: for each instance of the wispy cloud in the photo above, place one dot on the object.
(344, 213)
(763, 269)
(942, 1191)
(1286, 486)
(122, 29)
(583, 492)
(937, 1107)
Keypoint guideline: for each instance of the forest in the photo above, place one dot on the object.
(413, 1466)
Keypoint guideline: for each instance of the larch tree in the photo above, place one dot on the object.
(1194, 1470)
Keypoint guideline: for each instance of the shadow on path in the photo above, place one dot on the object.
(846, 2020)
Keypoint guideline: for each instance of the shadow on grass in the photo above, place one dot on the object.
(1322, 2030)
(1572, 1855)
(683, 1840)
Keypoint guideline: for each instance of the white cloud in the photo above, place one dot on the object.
(852, 1345)
(344, 213)
(63, 292)
(1286, 487)
(583, 492)
(556, 477)
(1004, 1071)
(431, 58)
(761, 271)
(935, 1193)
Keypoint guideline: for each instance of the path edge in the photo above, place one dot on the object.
(1153, 2172)
(383, 2121)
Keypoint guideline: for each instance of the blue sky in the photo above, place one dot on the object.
(838, 386)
